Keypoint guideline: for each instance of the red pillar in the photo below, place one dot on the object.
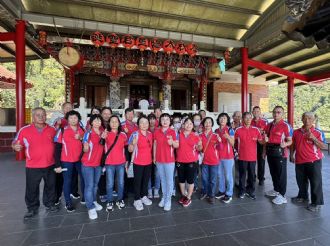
(244, 83)
(290, 100)
(20, 78)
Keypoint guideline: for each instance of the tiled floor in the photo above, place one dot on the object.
(242, 222)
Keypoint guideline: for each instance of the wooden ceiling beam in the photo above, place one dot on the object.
(154, 13)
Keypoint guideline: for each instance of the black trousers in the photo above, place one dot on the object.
(33, 179)
(260, 163)
(277, 168)
(310, 172)
(58, 185)
(141, 179)
(248, 167)
(128, 182)
(103, 185)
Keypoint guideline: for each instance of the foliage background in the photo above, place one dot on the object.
(47, 77)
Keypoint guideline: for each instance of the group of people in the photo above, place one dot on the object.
(112, 157)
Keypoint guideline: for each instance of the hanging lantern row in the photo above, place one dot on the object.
(142, 43)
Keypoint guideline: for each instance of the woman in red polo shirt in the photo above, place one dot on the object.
(140, 144)
(115, 162)
(210, 162)
(91, 164)
(186, 157)
(226, 155)
(69, 139)
(165, 141)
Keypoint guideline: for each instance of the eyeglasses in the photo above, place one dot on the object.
(277, 112)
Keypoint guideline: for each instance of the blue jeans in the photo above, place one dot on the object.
(91, 178)
(166, 172)
(209, 179)
(156, 180)
(111, 170)
(225, 177)
(67, 179)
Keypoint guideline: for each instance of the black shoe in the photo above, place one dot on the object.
(220, 195)
(226, 199)
(299, 200)
(261, 182)
(251, 196)
(75, 196)
(211, 200)
(52, 208)
(241, 195)
(202, 196)
(313, 207)
(70, 208)
(58, 201)
(29, 214)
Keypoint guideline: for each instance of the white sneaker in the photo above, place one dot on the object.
(92, 214)
(272, 193)
(98, 206)
(146, 201)
(161, 204)
(156, 193)
(138, 205)
(279, 200)
(167, 206)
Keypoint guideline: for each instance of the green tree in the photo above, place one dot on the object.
(47, 77)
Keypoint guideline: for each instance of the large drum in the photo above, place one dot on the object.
(71, 58)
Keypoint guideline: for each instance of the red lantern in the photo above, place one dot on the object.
(168, 46)
(42, 38)
(142, 43)
(113, 40)
(191, 49)
(155, 45)
(97, 39)
(128, 41)
(180, 48)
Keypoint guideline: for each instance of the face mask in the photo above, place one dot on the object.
(177, 126)
(197, 123)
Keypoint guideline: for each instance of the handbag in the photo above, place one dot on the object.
(274, 150)
(105, 155)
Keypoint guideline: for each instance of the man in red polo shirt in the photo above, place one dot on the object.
(37, 138)
(306, 153)
(261, 123)
(247, 137)
(279, 137)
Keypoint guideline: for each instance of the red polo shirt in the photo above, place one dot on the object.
(71, 147)
(306, 150)
(224, 148)
(187, 151)
(117, 154)
(261, 123)
(247, 138)
(278, 132)
(92, 158)
(164, 152)
(63, 124)
(142, 155)
(211, 156)
(131, 126)
(39, 146)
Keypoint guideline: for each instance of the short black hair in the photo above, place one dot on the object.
(119, 126)
(224, 115)
(196, 115)
(97, 108)
(207, 118)
(201, 110)
(255, 107)
(157, 108)
(151, 116)
(106, 108)
(73, 112)
(140, 118)
(94, 117)
(127, 110)
(163, 115)
(185, 121)
(245, 114)
(278, 106)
